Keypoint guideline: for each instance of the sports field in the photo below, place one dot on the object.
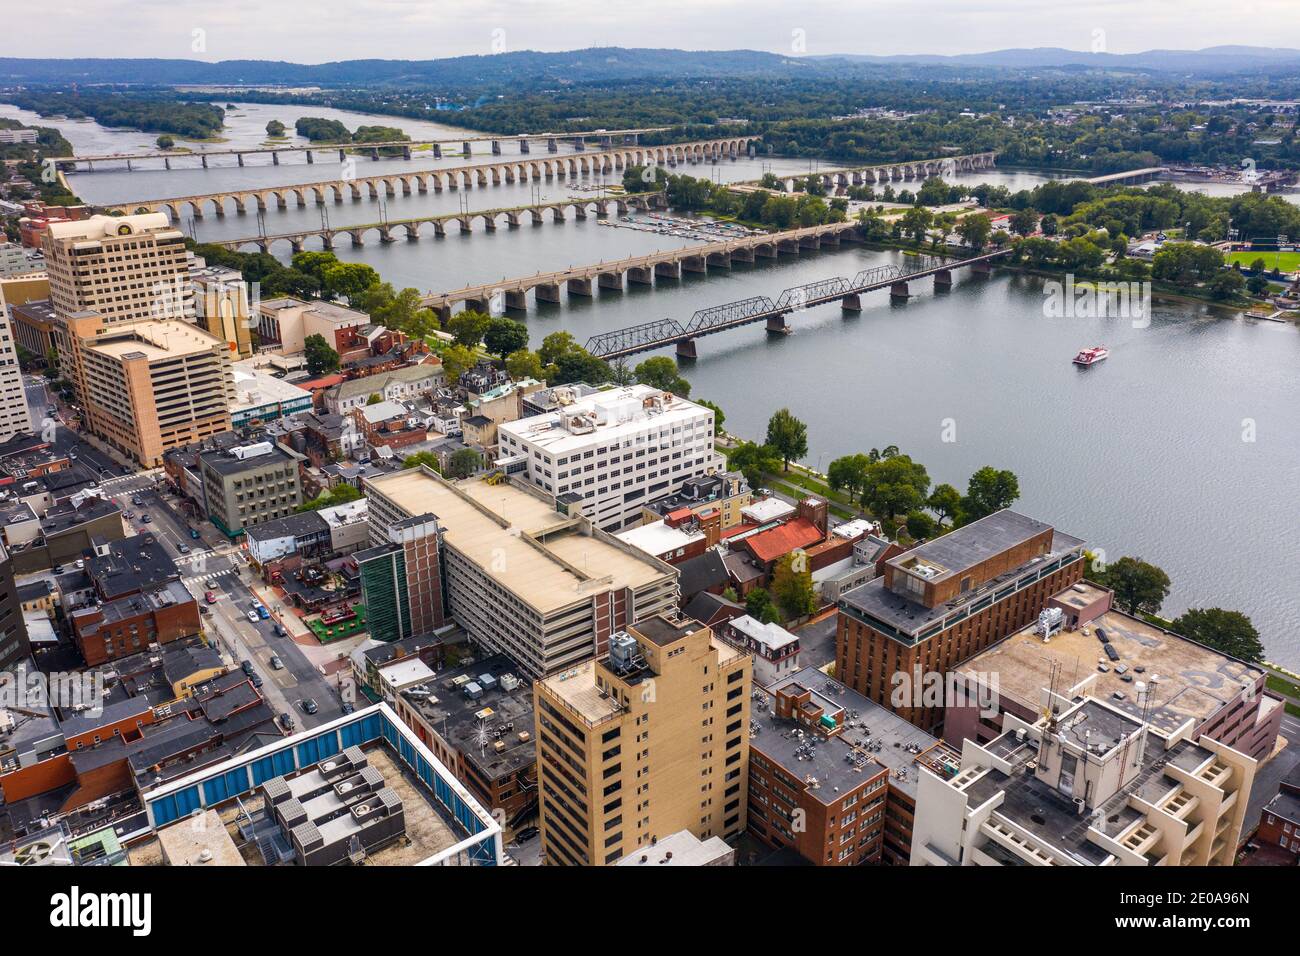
(1286, 261)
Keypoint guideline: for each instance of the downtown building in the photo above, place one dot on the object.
(1085, 784)
(644, 741)
(15, 416)
(945, 601)
(525, 575)
(247, 485)
(145, 386)
(124, 268)
(616, 450)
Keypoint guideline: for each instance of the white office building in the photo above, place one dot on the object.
(616, 450)
(14, 414)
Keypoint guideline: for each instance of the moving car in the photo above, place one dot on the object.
(137, 501)
(185, 549)
(145, 519)
(194, 534)
(276, 663)
(210, 597)
(252, 616)
(279, 630)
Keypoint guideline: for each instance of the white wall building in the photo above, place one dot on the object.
(616, 449)
(14, 414)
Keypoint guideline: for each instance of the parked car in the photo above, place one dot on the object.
(137, 501)
(252, 616)
(194, 534)
(348, 708)
(286, 721)
(526, 834)
(262, 612)
(309, 706)
(145, 519)
(210, 597)
(247, 666)
(257, 681)
(276, 663)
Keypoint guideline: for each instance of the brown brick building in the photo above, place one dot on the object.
(130, 624)
(947, 600)
(833, 776)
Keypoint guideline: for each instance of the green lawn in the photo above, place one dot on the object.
(1286, 261)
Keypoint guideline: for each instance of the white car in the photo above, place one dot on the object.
(252, 616)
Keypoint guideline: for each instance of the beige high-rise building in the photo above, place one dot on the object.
(145, 387)
(125, 268)
(640, 743)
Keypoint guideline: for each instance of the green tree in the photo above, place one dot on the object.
(468, 327)
(313, 264)
(165, 142)
(787, 435)
(504, 336)
(457, 359)
(348, 279)
(1228, 631)
(758, 605)
(988, 490)
(847, 473)
(338, 495)
(320, 357)
(275, 129)
(919, 525)
(522, 364)
(718, 416)
(426, 458)
(661, 372)
(754, 461)
(1140, 588)
(374, 399)
(945, 502)
(556, 345)
(792, 585)
(894, 485)
(464, 463)
(975, 230)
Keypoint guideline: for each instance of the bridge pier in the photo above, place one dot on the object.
(766, 251)
(557, 214)
(640, 275)
(696, 264)
(465, 151)
(580, 211)
(296, 244)
(776, 325)
(374, 154)
(899, 291)
(406, 152)
(167, 162)
(580, 287)
(439, 229)
(512, 220)
(437, 151)
(489, 224)
(327, 241)
(668, 270)
(310, 158)
(478, 305)
(343, 156)
(942, 280)
(240, 157)
(547, 292)
(203, 159)
(810, 242)
(275, 159)
(496, 147)
(686, 349)
(982, 269)
(610, 280)
(465, 224)
(523, 145)
(516, 300)
(551, 145)
(720, 260)
(443, 312)
(742, 255)
(851, 303)
(536, 216)
(385, 235)
(358, 239)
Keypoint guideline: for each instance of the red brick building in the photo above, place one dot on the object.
(947, 600)
(131, 623)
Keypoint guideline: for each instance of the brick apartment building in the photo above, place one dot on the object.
(947, 600)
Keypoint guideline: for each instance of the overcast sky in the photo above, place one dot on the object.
(314, 31)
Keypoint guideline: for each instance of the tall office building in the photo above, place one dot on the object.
(646, 740)
(947, 600)
(617, 450)
(15, 416)
(125, 268)
(147, 386)
(13, 632)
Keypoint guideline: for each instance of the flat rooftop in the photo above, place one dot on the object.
(550, 561)
(1193, 682)
(882, 739)
(964, 548)
(614, 413)
(255, 389)
(154, 340)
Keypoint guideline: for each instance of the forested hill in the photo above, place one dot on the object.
(614, 64)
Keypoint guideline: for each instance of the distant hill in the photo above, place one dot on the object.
(615, 64)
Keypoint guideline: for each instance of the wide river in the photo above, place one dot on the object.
(1183, 448)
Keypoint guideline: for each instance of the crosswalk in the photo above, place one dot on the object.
(210, 578)
(147, 477)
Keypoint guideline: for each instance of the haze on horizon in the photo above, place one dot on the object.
(328, 30)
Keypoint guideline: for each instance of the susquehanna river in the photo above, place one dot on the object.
(1183, 448)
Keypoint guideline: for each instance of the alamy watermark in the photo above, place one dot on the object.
(935, 689)
(1093, 300)
(34, 691)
